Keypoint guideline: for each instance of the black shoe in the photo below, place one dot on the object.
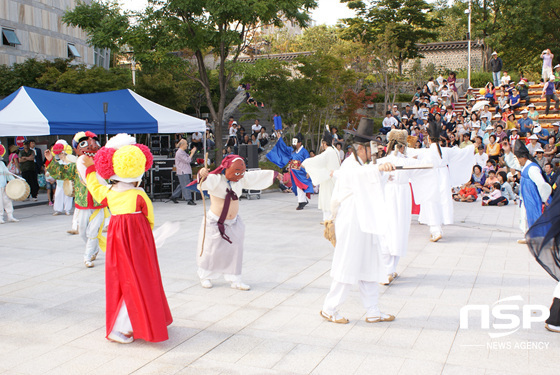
(191, 203)
(301, 205)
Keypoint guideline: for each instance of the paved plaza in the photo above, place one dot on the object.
(52, 309)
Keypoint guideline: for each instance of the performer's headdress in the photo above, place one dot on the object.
(297, 139)
(434, 130)
(521, 151)
(122, 159)
(397, 137)
(61, 146)
(364, 133)
(327, 138)
(86, 143)
(2, 150)
(233, 166)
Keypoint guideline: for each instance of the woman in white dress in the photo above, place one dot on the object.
(399, 200)
(451, 167)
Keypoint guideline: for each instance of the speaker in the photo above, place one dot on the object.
(251, 154)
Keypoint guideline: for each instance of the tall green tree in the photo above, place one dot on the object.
(409, 21)
(195, 27)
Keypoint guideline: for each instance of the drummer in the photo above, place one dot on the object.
(5, 201)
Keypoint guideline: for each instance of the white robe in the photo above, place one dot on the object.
(319, 169)
(220, 256)
(433, 193)
(359, 207)
(399, 201)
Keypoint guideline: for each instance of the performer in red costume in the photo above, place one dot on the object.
(136, 304)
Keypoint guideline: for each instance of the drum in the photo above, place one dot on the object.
(68, 188)
(17, 190)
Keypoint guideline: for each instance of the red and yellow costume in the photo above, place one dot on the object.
(132, 276)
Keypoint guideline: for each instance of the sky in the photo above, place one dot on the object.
(328, 12)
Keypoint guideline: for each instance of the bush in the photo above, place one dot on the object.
(399, 98)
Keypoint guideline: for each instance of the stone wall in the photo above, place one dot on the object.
(451, 55)
(39, 28)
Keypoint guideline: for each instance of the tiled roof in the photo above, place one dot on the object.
(445, 46)
(275, 56)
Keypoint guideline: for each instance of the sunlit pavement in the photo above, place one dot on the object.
(52, 309)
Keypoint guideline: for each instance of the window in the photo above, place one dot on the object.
(73, 51)
(9, 38)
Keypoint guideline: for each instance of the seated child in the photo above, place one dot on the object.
(490, 181)
(495, 197)
(466, 194)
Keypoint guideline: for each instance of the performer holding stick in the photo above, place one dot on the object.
(222, 232)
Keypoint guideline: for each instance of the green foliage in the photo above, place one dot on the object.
(81, 80)
(408, 21)
(27, 74)
(519, 30)
(60, 75)
(480, 79)
(194, 28)
(104, 23)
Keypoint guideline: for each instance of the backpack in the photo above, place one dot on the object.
(12, 167)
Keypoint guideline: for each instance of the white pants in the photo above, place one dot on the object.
(89, 230)
(327, 215)
(210, 275)
(62, 202)
(5, 204)
(301, 197)
(390, 262)
(369, 293)
(76, 219)
(122, 323)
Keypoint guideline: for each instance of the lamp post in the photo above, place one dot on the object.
(469, 12)
(105, 110)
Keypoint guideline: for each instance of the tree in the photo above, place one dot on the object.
(62, 76)
(305, 92)
(197, 28)
(408, 19)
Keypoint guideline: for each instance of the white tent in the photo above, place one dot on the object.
(33, 112)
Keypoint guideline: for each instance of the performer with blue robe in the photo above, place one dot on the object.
(281, 155)
(543, 239)
(534, 190)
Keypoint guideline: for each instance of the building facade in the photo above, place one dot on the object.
(34, 29)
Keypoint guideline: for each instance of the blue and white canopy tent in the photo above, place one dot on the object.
(34, 112)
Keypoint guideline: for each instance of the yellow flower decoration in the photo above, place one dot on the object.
(129, 162)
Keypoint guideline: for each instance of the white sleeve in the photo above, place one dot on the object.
(512, 162)
(544, 188)
(257, 180)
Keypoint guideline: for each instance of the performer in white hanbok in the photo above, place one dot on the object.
(321, 169)
(358, 207)
(222, 233)
(451, 167)
(399, 200)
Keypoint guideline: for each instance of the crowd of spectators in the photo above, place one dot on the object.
(490, 122)
(239, 136)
